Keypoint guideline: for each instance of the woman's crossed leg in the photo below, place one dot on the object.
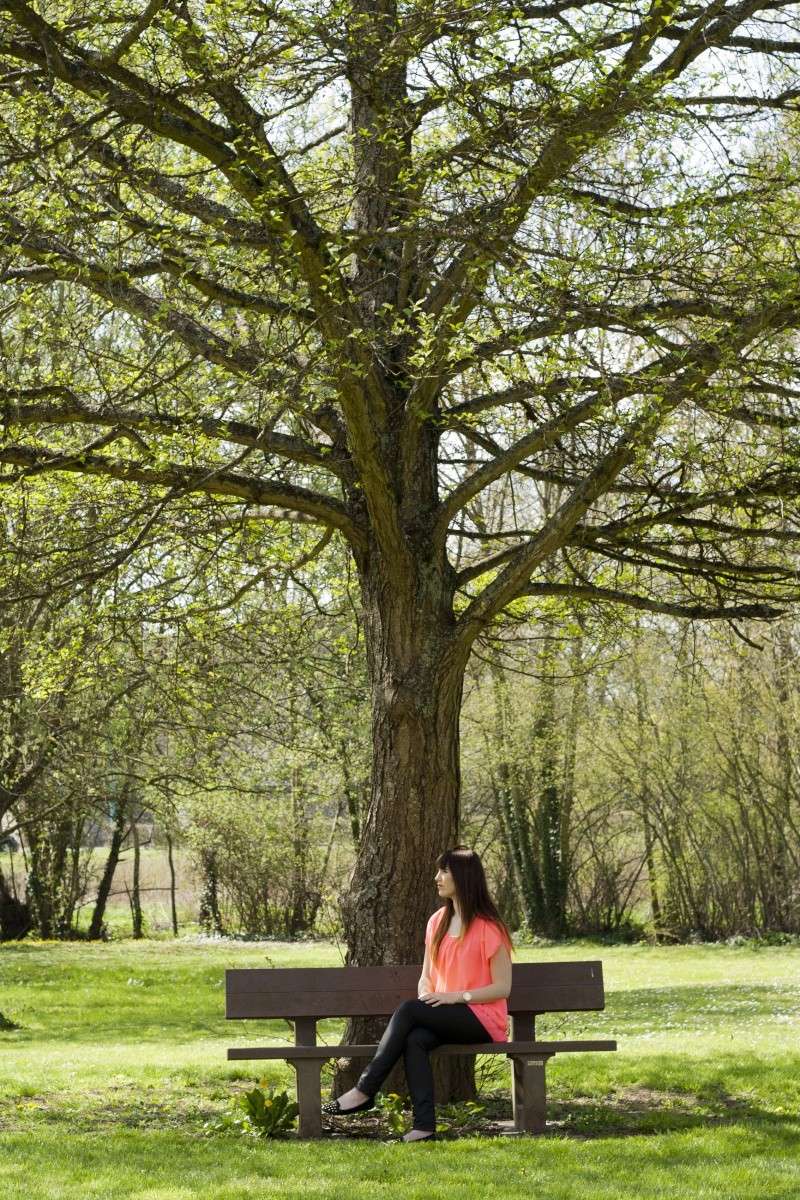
(415, 1028)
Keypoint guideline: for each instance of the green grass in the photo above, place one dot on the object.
(119, 1062)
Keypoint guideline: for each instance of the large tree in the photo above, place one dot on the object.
(503, 293)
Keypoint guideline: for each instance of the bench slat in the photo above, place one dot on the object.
(355, 1051)
(323, 979)
(261, 993)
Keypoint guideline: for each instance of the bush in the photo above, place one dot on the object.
(262, 1114)
(268, 1114)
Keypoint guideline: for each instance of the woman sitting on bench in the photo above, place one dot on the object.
(462, 991)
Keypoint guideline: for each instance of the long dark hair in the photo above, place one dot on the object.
(473, 896)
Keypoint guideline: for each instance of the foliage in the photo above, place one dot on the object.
(391, 1106)
(493, 305)
(678, 795)
(463, 1116)
(263, 1114)
(268, 1114)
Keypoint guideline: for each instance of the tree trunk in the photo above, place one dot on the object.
(136, 895)
(644, 799)
(535, 803)
(210, 917)
(297, 915)
(15, 916)
(351, 793)
(551, 817)
(781, 904)
(172, 886)
(59, 882)
(508, 895)
(76, 887)
(96, 924)
(416, 675)
(39, 891)
(513, 807)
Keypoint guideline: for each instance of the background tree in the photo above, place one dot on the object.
(693, 753)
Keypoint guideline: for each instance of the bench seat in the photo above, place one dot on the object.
(354, 1051)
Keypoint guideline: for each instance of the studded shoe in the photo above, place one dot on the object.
(333, 1108)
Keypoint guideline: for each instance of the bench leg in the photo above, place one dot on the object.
(309, 1096)
(529, 1093)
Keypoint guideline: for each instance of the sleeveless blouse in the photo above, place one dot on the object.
(463, 964)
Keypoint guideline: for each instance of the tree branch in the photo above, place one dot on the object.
(694, 612)
(113, 285)
(134, 33)
(211, 481)
(543, 437)
(702, 360)
(239, 433)
(615, 97)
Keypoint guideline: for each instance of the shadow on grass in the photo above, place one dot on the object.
(638, 1111)
(626, 1112)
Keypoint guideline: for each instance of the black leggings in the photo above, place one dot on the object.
(416, 1028)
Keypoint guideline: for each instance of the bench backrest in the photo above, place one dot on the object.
(377, 991)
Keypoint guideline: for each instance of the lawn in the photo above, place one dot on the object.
(118, 1067)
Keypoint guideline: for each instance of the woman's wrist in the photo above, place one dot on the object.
(483, 995)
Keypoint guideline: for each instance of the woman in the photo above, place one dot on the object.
(462, 991)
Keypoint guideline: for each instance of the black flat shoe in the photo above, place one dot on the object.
(333, 1109)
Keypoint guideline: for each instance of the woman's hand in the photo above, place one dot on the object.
(437, 998)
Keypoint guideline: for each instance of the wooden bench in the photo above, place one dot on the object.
(306, 994)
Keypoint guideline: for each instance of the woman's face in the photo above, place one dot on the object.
(445, 883)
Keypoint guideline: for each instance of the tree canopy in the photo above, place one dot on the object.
(505, 295)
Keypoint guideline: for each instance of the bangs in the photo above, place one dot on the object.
(458, 854)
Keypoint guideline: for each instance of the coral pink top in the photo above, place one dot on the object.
(462, 964)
